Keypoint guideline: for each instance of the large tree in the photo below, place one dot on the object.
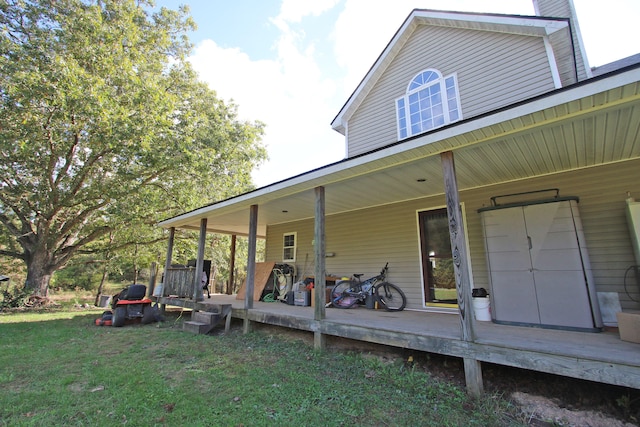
(103, 126)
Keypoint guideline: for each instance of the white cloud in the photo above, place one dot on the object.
(294, 10)
(609, 33)
(289, 93)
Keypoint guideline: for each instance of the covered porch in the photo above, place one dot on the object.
(600, 357)
(581, 128)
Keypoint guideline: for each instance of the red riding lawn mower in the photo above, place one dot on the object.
(130, 306)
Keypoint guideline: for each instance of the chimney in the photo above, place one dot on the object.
(566, 9)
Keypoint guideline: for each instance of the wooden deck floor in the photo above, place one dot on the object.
(600, 357)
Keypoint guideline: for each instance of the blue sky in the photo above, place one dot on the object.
(292, 64)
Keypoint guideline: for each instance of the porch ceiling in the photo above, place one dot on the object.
(583, 126)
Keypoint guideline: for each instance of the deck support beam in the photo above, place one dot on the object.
(319, 272)
(197, 279)
(473, 376)
(232, 265)
(472, 367)
(167, 263)
(251, 264)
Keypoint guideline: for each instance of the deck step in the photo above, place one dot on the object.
(196, 327)
(202, 322)
(205, 317)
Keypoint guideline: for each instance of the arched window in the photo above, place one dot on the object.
(431, 101)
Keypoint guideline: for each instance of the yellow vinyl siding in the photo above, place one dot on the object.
(364, 240)
(493, 70)
(562, 9)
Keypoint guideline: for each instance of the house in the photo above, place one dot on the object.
(501, 116)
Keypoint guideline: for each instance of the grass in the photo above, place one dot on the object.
(58, 368)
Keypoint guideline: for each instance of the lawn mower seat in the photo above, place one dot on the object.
(133, 292)
(130, 293)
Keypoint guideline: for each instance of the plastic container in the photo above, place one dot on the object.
(157, 291)
(370, 301)
(104, 300)
(481, 309)
(302, 298)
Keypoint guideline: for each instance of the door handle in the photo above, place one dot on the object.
(529, 241)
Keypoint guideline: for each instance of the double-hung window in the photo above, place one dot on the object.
(289, 247)
(430, 101)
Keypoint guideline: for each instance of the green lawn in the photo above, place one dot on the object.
(60, 369)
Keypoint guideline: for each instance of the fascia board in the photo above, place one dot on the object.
(523, 25)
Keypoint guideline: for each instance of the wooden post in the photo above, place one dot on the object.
(197, 280)
(319, 273)
(472, 367)
(153, 273)
(251, 265)
(232, 265)
(167, 262)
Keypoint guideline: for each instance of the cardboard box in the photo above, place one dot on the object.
(327, 295)
(629, 326)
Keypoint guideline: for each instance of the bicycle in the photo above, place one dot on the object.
(348, 293)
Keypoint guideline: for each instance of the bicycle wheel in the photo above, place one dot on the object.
(391, 297)
(340, 297)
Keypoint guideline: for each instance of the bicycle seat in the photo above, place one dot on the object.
(359, 275)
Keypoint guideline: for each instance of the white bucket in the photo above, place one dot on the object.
(481, 309)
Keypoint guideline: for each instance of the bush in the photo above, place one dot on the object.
(13, 297)
(78, 276)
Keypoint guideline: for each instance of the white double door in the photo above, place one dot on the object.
(538, 265)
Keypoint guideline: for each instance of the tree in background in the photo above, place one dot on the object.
(105, 129)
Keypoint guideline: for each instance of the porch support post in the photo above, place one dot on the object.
(232, 265)
(153, 277)
(167, 263)
(251, 265)
(319, 273)
(197, 280)
(472, 367)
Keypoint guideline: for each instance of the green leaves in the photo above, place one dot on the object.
(100, 112)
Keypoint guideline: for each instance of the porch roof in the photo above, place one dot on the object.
(588, 124)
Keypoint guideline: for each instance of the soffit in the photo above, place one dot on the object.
(590, 126)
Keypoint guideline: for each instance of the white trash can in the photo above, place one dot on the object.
(481, 309)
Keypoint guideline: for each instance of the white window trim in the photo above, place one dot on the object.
(295, 246)
(445, 102)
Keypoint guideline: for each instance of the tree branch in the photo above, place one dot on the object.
(12, 254)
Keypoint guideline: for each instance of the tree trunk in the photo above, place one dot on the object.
(107, 256)
(135, 264)
(38, 277)
(102, 281)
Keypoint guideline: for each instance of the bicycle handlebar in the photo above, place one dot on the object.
(384, 269)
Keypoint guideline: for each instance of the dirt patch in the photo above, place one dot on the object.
(544, 399)
(538, 408)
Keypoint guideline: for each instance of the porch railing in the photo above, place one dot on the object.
(179, 281)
